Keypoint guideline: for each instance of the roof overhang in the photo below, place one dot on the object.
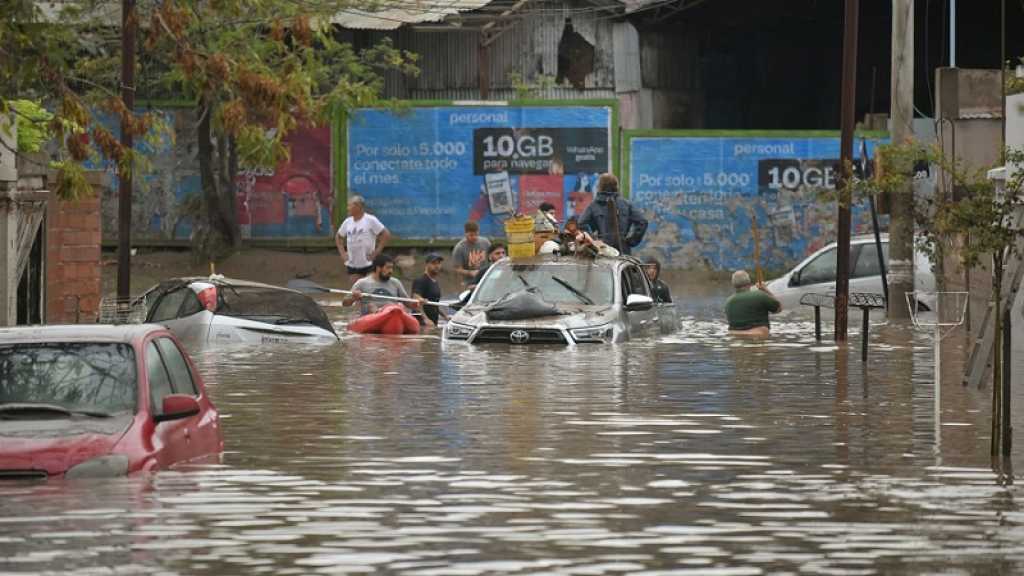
(394, 14)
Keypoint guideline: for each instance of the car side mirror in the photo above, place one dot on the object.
(464, 295)
(176, 407)
(638, 302)
(794, 279)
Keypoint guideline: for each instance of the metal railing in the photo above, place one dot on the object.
(122, 310)
(866, 301)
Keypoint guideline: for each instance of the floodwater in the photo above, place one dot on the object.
(691, 454)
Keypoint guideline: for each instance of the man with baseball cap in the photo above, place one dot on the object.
(427, 286)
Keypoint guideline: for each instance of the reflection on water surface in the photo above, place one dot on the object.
(693, 454)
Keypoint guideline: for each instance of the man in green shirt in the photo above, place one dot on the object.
(747, 310)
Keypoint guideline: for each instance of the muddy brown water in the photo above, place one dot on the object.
(689, 454)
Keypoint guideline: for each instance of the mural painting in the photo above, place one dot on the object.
(170, 176)
(295, 199)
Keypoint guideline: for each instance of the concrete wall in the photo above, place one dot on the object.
(970, 131)
(1014, 126)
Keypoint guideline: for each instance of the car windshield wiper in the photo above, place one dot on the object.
(523, 280)
(586, 299)
(38, 407)
(33, 407)
(292, 321)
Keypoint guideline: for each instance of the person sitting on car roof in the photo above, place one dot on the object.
(612, 219)
(545, 234)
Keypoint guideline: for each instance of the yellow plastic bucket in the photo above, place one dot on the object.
(521, 250)
(519, 233)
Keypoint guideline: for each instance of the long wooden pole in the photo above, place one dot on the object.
(756, 232)
(124, 183)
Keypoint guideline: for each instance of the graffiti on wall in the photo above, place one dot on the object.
(702, 194)
(170, 176)
(425, 171)
(295, 199)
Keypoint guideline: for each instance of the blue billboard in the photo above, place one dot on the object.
(425, 171)
(701, 195)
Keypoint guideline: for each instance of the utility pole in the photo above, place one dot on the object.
(129, 23)
(847, 124)
(901, 229)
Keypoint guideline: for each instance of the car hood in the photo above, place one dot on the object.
(571, 317)
(54, 445)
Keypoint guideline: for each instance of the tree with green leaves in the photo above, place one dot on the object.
(256, 70)
(981, 225)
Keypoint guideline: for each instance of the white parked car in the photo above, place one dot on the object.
(218, 309)
(817, 273)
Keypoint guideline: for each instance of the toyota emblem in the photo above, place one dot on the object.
(519, 337)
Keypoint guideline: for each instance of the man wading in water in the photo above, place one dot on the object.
(381, 283)
(747, 310)
(428, 288)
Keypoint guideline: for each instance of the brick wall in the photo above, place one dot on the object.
(73, 261)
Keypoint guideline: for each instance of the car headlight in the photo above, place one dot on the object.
(102, 467)
(601, 333)
(456, 331)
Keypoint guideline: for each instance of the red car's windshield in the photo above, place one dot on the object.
(78, 377)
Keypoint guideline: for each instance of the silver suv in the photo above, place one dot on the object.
(593, 300)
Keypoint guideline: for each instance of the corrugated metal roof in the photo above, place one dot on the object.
(394, 14)
(505, 94)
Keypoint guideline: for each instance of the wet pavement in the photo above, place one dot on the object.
(691, 454)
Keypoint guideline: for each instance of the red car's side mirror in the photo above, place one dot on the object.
(177, 406)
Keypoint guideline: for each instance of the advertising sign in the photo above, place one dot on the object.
(426, 171)
(701, 194)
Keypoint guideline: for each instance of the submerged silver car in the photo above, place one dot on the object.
(568, 301)
(221, 310)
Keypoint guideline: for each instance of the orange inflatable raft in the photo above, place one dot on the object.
(391, 320)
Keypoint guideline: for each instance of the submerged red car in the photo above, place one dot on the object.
(99, 401)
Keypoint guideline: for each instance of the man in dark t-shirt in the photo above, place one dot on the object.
(427, 287)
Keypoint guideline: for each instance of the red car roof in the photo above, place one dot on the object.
(126, 333)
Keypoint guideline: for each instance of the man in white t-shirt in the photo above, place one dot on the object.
(360, 239)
